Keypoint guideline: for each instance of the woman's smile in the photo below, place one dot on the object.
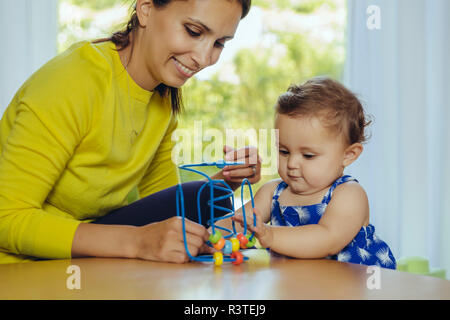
(185, 71)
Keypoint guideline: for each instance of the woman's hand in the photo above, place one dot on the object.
(251, 169)
(262, 231)
(163, 241)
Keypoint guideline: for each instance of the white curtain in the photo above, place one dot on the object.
(29, 36)
(399, 64)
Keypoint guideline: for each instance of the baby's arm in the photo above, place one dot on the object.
(345, 215)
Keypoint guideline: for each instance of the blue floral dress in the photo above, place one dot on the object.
(366, 248)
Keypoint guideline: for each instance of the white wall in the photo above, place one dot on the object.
(29, 39)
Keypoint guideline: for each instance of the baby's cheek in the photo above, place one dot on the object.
(315, 177)
(322, 178)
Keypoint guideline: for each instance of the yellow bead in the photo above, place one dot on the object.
(218, 258)
(235, 244)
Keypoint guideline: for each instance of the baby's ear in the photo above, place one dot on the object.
(352, 153)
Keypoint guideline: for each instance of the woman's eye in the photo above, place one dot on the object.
(192, 32)
(284, 152)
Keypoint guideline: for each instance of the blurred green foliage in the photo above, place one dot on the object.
(98, 4)
(250, 103)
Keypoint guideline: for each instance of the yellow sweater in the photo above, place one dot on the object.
(66, 151)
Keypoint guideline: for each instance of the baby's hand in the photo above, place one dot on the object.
(262, 231)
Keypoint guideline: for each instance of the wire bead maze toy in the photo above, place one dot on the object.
(228, 246)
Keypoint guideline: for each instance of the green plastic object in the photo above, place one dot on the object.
(252, 242)
(419, 265)
(258, 257)
(439, 273)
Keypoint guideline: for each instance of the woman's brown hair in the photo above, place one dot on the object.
(337, 106)
(122, 40)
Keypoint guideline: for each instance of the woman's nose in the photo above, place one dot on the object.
(203, 56)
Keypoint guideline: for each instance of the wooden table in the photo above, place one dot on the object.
(263, 279)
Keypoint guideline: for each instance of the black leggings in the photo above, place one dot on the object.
(162, 205)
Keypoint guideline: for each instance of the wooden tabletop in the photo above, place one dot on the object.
(263, 277)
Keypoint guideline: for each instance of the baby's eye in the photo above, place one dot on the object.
(309, 156)
(283, 152)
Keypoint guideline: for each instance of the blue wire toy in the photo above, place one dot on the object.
(231, 242)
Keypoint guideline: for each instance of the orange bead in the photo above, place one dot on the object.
(238, 256)
(219, 244)
(242, 240)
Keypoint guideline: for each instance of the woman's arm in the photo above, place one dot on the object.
(97, 240)
(342, 220)
(37, 141)
(161, 241)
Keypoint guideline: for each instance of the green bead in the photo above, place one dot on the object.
(215, 237)
(250, 243)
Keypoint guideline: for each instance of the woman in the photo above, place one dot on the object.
(94, 126)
